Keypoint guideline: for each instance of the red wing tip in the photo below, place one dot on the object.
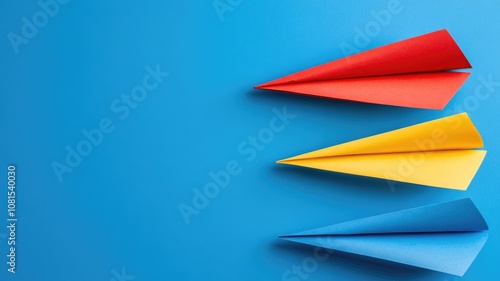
(466, 63)
(443, 30)
(270, 84)
(264, 86)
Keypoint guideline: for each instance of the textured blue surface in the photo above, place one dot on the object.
(116, 215)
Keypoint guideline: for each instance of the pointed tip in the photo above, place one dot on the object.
(269, 85)
(287, 236)
(264, 86)
(284, 161)
(466, 62)
(292, 160)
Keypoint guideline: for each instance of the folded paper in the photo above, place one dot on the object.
(410, 73)
(444, 237)
(439, 153)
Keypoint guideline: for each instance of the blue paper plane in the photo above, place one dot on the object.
(444, 237)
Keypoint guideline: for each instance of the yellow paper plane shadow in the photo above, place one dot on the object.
(438, 153)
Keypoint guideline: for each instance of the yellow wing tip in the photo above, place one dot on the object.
(282, 161)
(290, 159)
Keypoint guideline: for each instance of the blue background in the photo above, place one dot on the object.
(119, 209)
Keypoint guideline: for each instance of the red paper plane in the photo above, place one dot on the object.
(410, 73)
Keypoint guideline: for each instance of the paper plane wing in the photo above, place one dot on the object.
(444, 237)
(437, 153)
(410, 73)
(454, 216)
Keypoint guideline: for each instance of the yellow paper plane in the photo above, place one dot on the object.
(439, 153)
